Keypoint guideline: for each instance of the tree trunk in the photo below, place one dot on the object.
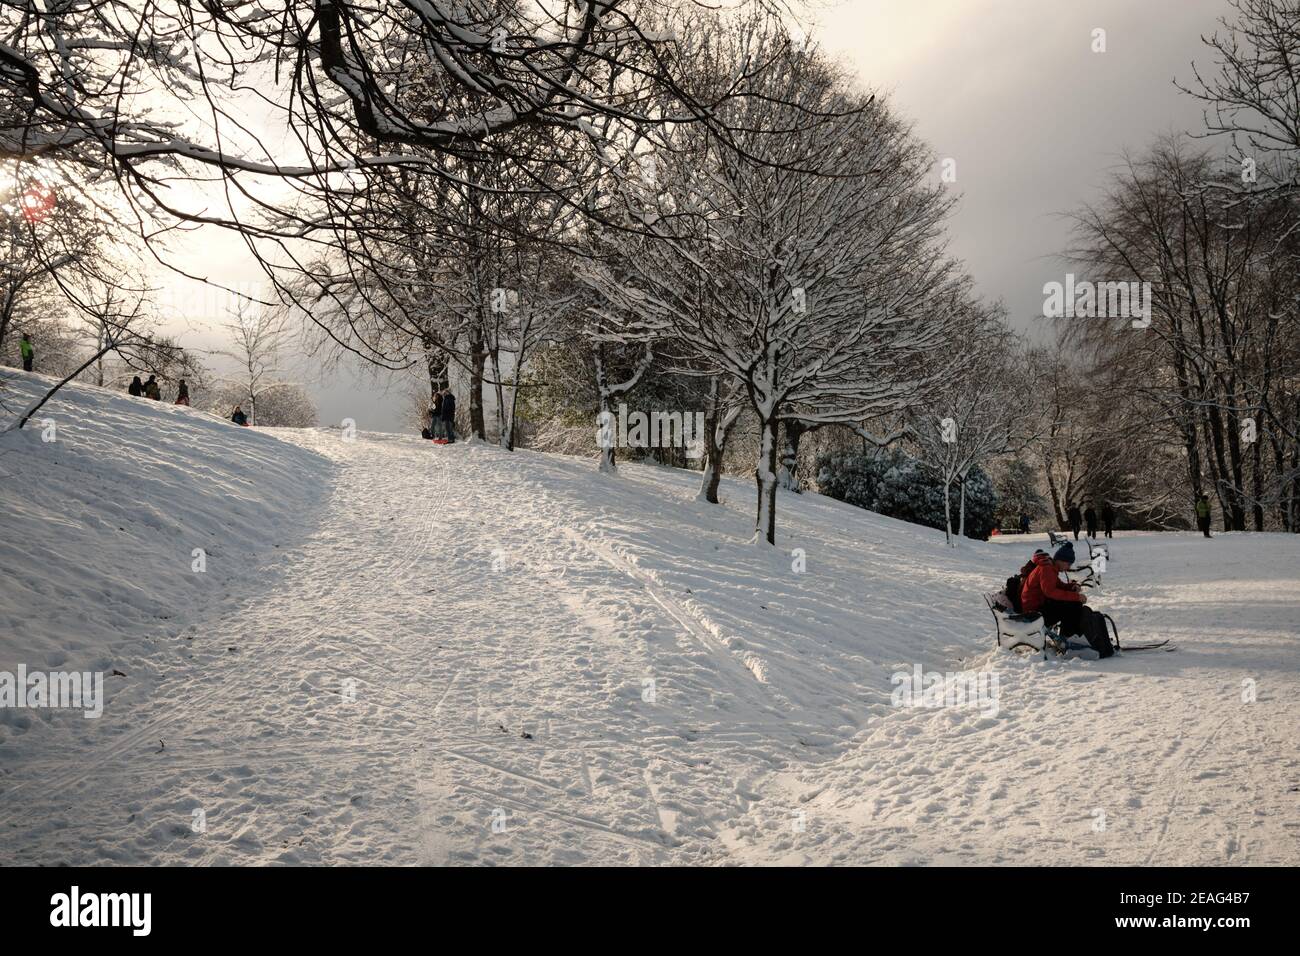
(478, 358)
(791, 433)
(508, 436)
(498, 389)
(712, 453)
(1257, 476)
(961, 526)
(605, 420)
(717, 429)
(1235, 463)
(765, 478)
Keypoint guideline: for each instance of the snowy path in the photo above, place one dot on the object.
(391, 594)
(368, 701)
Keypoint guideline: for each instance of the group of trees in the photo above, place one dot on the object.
(560, 207)
(566, 208)
(1206, 398)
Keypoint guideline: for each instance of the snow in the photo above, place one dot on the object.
(458, 654)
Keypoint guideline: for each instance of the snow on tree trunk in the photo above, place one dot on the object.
(605, 420)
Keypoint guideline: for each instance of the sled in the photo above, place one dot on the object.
(1022, 633)
(1027, 634)
(1158, 646)
(441, 441)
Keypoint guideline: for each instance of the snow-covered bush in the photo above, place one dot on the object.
(894, 483)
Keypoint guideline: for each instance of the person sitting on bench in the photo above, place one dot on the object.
(1043, 592)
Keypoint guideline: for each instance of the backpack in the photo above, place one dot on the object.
(1012, 591)
(1014, 585)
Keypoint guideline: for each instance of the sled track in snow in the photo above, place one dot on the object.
(744, 674)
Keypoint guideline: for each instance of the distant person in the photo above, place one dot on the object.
(1044, 592)
(435, 417)
(151, 389)
(1024, 524)
(239, 418)
(1108, 518)
(1090, 518)
(28, 352)
(1203, 515)
(136, 388)
(182, 393)
(1072, 515)
(447, 414)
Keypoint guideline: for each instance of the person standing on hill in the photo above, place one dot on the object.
(28, 352)
(1090, 516)
(447, 412)
(435, 417)
(182, 393)
(1203, 515)
(136, 388)
(1024, 523)
(151, 389)
(1108, 518)
(1072, 515)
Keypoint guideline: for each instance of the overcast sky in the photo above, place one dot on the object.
(1010, 89)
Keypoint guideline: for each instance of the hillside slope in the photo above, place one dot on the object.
(468, 655)
(104, 500)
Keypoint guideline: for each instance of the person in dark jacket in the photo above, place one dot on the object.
(28, 352)
(239, 418)
(1090, 518)
(435, 417)
(1072, 515)
(1044, 592)
(447, 413)
(1203, 515)
(182, 393)
(151, 389)
(1108, 518)
(1024, 524)
(136, 388)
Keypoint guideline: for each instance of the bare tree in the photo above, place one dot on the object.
(808, 275)
(973, 413)
(259, 336)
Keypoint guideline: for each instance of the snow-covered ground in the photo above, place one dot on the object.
(406, 653)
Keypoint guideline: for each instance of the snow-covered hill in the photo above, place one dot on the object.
(105, 499)
(408, 653)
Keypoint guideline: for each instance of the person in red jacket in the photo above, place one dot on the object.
(1045, 593)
